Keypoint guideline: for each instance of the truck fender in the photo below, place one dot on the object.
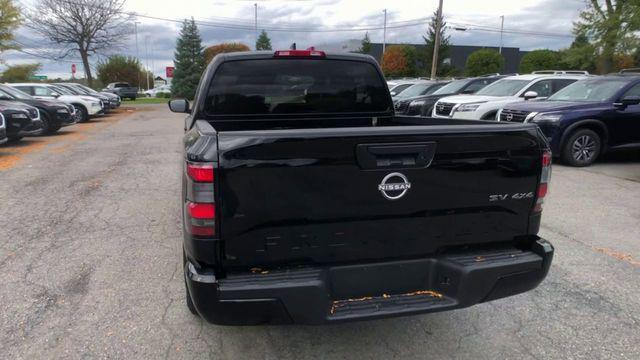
(595, 123)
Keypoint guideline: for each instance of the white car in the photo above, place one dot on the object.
(485, 104)
(85, 106)
(162, 89)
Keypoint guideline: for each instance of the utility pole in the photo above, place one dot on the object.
(436, 45)
(146, 51)
(384, 33)
(135, 27)
(501, 29)
(255, 8)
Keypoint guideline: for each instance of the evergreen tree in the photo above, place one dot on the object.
(263, 42)
(365, 47)
(189, 61)
(430, 41)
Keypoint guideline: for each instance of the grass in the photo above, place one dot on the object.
(151, 100)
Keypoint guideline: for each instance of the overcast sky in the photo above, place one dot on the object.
(157, 38)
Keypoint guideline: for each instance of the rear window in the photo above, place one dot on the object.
(295, 86)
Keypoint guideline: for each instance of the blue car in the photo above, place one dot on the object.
(586, 118)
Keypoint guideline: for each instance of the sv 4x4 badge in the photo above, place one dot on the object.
(516, 196)
(394, 186)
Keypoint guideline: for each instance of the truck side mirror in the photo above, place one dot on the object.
(627, 101)
(179, 106)
(530, 95)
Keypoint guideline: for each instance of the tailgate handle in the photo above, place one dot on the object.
(395, 156)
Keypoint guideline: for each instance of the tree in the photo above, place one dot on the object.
(539, 60)
(122, 68)
(483, 61)
(212, 51)
(399, 60)
(611, 25)
(443, 50)
(581, 55)
(20, 73)
(88, 27)
(365, 45)
(9, 21)
(189, 61)
(263, 42)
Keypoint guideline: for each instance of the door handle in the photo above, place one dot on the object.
(395, 156)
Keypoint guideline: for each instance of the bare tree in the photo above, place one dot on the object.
(88, 27)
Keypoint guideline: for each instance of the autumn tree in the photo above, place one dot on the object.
(189, 61)
(20, 73)
(612, 26)
(399, 60)
(263, 42)
(9, 21)
(212, 51)
(122, 68)
(84, 27)
(483, 61)
(539, 60)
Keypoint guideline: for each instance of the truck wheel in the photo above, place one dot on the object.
(83, 114)
(133, 98)
(582, 148)
(46, 123)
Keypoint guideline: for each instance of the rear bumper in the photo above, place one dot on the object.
(368, 291)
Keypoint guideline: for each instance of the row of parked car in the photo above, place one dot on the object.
(32, 109)
(581, 115)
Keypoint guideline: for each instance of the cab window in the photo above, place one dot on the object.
(542, 87)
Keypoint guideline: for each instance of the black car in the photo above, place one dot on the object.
(20, 120)
(105, 101)
(423, 105)
(586, 118)
(3, 129)
(54, 114)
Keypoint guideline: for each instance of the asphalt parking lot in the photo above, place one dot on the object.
(90, 264)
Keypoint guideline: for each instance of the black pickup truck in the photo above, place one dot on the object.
(306, 200)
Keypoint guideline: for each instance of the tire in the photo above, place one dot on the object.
(133, 98)
(190, 305)
(581, 148)
(84, 115)
(47, 127)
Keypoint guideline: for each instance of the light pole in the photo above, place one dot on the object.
(146, 52)
(384, 33)
(436, 45)
(255, 8)
(135, 27)
(501, 29)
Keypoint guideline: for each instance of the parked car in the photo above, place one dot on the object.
(484, 104)
(114, 100)
(3, 129)
(586, 118)
(104, 100)
(54, 114)
(162, 89)
(85, 106)
(20, 120)
(397, 87)
(423, 87)
(122, 89)
(306, 200)
(422, 105)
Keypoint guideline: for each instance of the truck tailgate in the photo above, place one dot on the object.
(315, 196)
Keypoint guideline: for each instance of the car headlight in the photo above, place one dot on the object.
(547, 117)
(468, 107)
(19, 116)
(95, 104)
(416, 103)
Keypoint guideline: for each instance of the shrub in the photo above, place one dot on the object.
(484, 61)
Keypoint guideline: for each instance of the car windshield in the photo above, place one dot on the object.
(15, 93)
(589, 90)
(75, 90)
(87, 89)
(416, 90)
(400, 88)
(452, 88)
(504, 87)
(61, 90)
(292, 86)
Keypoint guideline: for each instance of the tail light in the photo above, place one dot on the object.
(299, 53)
(200, 210)
(545, 178)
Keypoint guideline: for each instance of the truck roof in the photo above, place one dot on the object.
(254, 55)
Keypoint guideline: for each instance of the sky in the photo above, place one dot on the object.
(550, 21)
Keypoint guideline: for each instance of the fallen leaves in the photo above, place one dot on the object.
(619, 255)
(340, 303)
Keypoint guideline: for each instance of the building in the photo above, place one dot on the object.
(458, 55)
